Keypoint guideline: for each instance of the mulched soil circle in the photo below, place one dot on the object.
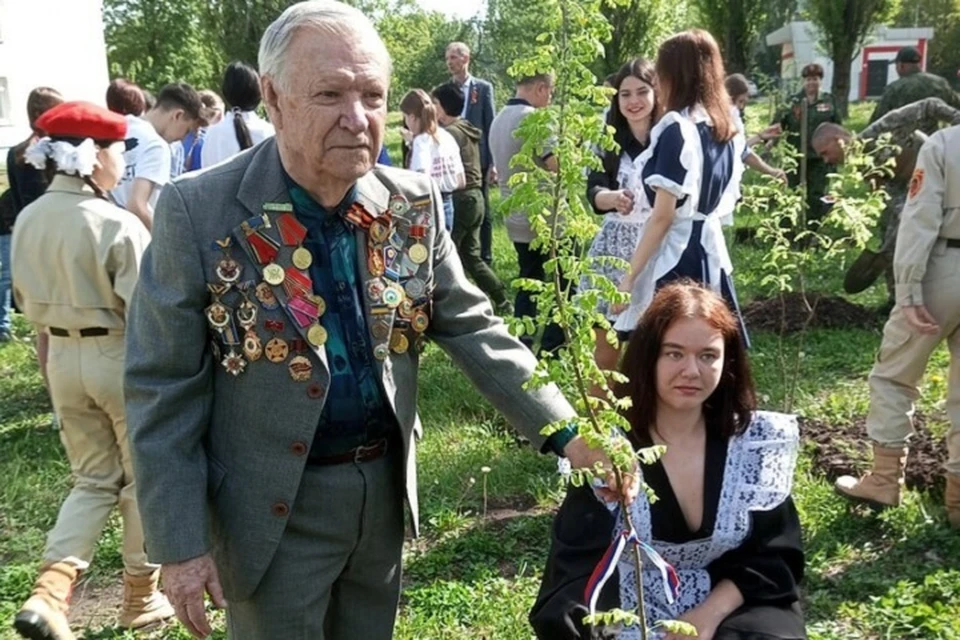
(833, 444)
(791, 312)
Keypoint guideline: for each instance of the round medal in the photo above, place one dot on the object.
(399, 205)
(274, 274)
(252, 347)
(415, 288)
(381, 351)
(375, 289)
(317, 335)
(420, 321)
(406, 308)
(276, 350)
(393, 296)
(418, 253)
(320, 302)
(399, 342)
(300, 368)
(228, 270)
(265, 295)
(302, 258)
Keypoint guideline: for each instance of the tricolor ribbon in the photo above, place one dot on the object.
(608, 564)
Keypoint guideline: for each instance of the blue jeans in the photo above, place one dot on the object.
(5, 285)
(448, 211)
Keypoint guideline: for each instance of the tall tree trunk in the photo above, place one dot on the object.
(842, 59)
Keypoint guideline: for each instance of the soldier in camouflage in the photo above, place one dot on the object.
(906, 126)
(812, 107)
(912, 86)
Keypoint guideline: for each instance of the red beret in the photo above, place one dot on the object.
(82, 120)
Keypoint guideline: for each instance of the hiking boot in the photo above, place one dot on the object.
(143, 604)
(44, 615)
(881, 487)
(952, 500)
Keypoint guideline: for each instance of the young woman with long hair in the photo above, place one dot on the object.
(612, 190)
(433, 151)
(723, 517)
(690, 175)
(241, 127)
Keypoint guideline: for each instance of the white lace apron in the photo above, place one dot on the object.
(757, 477)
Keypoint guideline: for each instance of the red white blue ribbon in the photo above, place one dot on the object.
(608, 564)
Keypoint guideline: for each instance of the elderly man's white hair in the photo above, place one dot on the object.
(460, 48)
(330, 17)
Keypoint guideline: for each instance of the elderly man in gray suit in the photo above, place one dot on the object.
(273, 347)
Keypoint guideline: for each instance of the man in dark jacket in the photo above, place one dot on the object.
(468, 202)
(478, 110)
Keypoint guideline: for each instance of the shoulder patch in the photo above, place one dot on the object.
(916, 182)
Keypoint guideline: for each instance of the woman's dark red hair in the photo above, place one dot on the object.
(730, 406)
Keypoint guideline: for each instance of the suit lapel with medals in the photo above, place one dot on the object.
(271, 239)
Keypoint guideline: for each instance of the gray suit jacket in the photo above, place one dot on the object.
(218, 458)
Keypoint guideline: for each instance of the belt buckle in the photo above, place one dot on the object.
(362, 450)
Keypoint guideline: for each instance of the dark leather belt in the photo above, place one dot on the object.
(364, 453)
(953, 243)
(92, 332)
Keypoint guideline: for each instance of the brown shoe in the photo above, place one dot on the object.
(952, 500)
(143, 604)
(44, 615)
(881, 487)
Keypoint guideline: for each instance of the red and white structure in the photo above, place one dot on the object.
(872, 68)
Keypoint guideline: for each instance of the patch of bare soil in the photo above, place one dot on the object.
(791, 312)
(844, 450)
(93, 606)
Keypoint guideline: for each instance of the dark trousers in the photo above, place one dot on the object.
(531, 267)
(467, 216)
(486, 227)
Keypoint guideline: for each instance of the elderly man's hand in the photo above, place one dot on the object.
(581, 456)
(185, 583)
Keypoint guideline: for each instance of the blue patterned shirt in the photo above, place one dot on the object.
(355, 411)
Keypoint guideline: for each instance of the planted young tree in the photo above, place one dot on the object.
(573, 32)
(793, 248)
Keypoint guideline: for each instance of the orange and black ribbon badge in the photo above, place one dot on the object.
(916, 183)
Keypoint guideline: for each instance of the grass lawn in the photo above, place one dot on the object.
(475, 571)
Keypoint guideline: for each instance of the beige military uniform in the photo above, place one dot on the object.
(75, 260)
(927, 271)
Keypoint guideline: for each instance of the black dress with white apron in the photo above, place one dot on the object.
(750, 534)
(704, 175)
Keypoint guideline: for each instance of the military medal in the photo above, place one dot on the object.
(300, 367)
(399, 205)
(234, 363)
(359, 216)
(393, 295)
(418, 253)
(228, 269)
(380, 229)
(406, 309)
(264, 294)
(292, 233)
(415, 288)
(399, 343)
(252, 347)
(375, 262)
(264, 248)
(317, 335)
(276, 348)
(380, 330)
(381, 351)
(420, 321)
(218, 315)
(274, 274)
(375, 289)
(297, 284)
(247, 317)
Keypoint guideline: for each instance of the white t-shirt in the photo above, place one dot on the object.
(439, 158)
(149, 159)
(220, 142)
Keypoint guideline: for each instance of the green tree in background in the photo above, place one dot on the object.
(736, 25)
(844, 26)
(639, 26)
(943, 54)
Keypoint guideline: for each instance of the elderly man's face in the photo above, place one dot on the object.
(456, 61)
(331, 112)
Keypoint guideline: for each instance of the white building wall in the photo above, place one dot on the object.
(54, 43)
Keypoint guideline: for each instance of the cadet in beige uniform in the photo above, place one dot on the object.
(75, 259)
(927, 271)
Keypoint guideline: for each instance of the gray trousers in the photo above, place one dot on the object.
(336, 573)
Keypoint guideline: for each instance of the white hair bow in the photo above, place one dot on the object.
(79, 159)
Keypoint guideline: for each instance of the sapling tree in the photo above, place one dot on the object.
(573, 33)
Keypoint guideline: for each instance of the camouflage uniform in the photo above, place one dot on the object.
(903, 125)
(911, 88)
(823, 109)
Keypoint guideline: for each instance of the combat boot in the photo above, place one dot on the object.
(44, 615)
(952, 499)
(143, 604)
(883, 485)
